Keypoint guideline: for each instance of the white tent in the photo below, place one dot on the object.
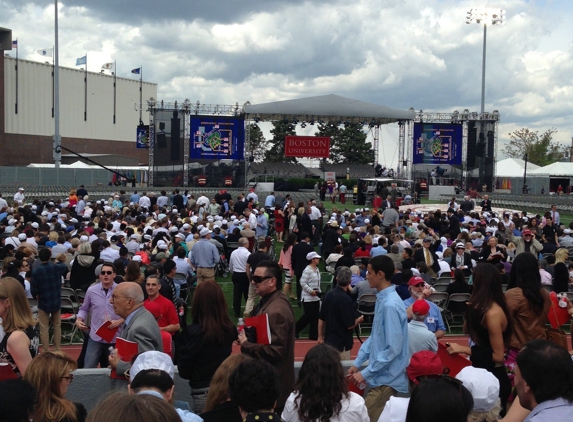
(554, 170)
(514, 167)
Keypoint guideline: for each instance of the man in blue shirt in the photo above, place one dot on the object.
(204, 256)
(135, 198)
(387, 348)
(434, 320)
(270, 200)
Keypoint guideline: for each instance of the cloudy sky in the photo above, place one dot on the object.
(400, 53)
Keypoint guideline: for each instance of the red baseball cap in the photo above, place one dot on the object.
(414, 281)
(421, 307)
(526, 232)
(424, 363)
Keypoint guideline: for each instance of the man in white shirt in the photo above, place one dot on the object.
(108, 254)
(144, 201)
(3, 203)
(240, 277)
(19, 196)
(203, 201)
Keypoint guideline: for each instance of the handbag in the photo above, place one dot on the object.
(557, 336)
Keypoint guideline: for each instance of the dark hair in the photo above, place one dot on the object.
(525, 275)
(548, 370)
(17, 400)
(486, 291)
(321, 385)
(290, 241)
(181, 252)
(408, 251)
(109, 264)
(209, 311)
(254, 385)
(407, 274)
(119, 267)
(168, 266)
(272, 269)
(45, 255)
(550, 259)
(459, 276)
(155, 378)
(384, 264)
(304, 235)
(440, 399)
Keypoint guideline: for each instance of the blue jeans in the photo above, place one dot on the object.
(96, 352)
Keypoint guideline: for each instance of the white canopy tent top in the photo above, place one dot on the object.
(554, 170)
(81, 165)
(514, 167)
(327, 108)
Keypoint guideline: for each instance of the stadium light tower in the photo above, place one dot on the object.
(485, 16)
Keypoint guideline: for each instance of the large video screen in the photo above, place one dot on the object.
(217, 138)
(437, 143)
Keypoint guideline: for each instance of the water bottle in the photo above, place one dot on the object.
(240, 325)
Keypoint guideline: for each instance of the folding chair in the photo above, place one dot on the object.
(68, 317)
(458, 298)
(326, 280)
(439, 287)
(181, 276)
(366, 305)
(33, 306)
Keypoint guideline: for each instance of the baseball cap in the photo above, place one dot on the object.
(133, 236)
(84, 238)
(152, 360)
(186, 226)
(460, 246)
(312, 255)
(483, 385)
(204, 232)
(424, 363)
(414, 281)
(528, 232)
(35, 225)
(420, 306)
(22, 236)
(160, 256)
(136, 258)
(161, 244)
(427, 240)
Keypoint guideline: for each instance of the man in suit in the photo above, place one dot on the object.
(428, 255)
(454, 222)
(267, 279)
(306, 222)
(462, 260)
(387, 203)
(298, 258)
(139, 326)
(486, 203)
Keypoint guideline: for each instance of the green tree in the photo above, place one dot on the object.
(350, 146)
(257, 143)
(540, 149)
(332, 132)
(276, 152)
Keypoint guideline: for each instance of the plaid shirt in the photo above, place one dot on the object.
(46, 285)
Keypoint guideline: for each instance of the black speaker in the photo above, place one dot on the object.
(472, 141)
(161, 140)
(161, 125)
(175, 136)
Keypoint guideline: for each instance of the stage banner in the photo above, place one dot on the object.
(307, 146)
(437, 143)
(217, 138)
(142, 137)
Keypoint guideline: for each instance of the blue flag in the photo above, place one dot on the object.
(136, 71)
(81, 60)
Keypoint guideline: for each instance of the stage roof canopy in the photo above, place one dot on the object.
(328, 108)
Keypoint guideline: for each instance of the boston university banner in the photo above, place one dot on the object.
(307, 146)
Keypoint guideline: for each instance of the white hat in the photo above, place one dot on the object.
(84, 238)
(366, 221)
(73, 220)
(133, 236)
(180, 236)
(35, 225)
(204, 232)
(12, 221)
(161, 244)
(233, 217)
(147, 237)
(161, 216)
(312, 255)
(34, 207)
(152, 360)
(22, 236)
(483, 385)
(460, 245)
(174, 229)
(136, 258)
(20, 188)
(44, 213)
(186, 226)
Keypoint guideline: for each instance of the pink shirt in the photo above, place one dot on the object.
(285, 258)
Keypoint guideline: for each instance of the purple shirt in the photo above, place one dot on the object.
(97, 300)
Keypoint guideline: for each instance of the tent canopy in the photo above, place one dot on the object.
(554, 169)
(328, 108)
(514, 167)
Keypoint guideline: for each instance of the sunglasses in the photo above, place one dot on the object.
(106, 273)
(258, 279)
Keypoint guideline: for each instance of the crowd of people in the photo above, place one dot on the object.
(132, 260)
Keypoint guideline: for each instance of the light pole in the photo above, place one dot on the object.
(485, 16)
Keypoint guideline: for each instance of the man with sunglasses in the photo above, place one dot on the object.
(97, 301)
(526, 243)
(267, 279)
(434, 320)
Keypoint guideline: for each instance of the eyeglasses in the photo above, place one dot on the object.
(69, 378)
(115, 297)
(258, 279)
(106, 273)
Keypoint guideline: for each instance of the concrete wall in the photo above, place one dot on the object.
(90, 385)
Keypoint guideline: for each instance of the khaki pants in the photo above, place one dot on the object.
(376, 399)
(250, 301)
(44, 319)
(205, 274)
(345, 355)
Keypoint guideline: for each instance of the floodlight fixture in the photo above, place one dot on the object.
(486, 16)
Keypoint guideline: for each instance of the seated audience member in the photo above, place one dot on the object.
(121, 407)
(458, 285)
(219, 407)
(50, 373)
(484, 388)
(17, 401)
(152, 373)
(356, 278)
(321, 392)
(254, 385)
(419, 337)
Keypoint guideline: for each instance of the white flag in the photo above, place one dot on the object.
(46, 52)
(107, 66)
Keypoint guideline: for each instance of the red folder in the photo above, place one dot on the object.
(126, 350)
(106, 333)
(6, 372)
(454, 363)
(261, 324)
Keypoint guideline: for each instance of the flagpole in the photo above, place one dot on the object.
(52, 82)
(86, 90)
(17, 50)
(141, 95)
(114, 87)
(57, 140)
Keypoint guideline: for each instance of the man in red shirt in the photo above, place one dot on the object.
(168, 320)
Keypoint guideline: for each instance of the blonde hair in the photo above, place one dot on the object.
(122, 407)
(53, 236)
(219, 387)
(561, 255)
(18, 316)
(45, 374)
(490, 416)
